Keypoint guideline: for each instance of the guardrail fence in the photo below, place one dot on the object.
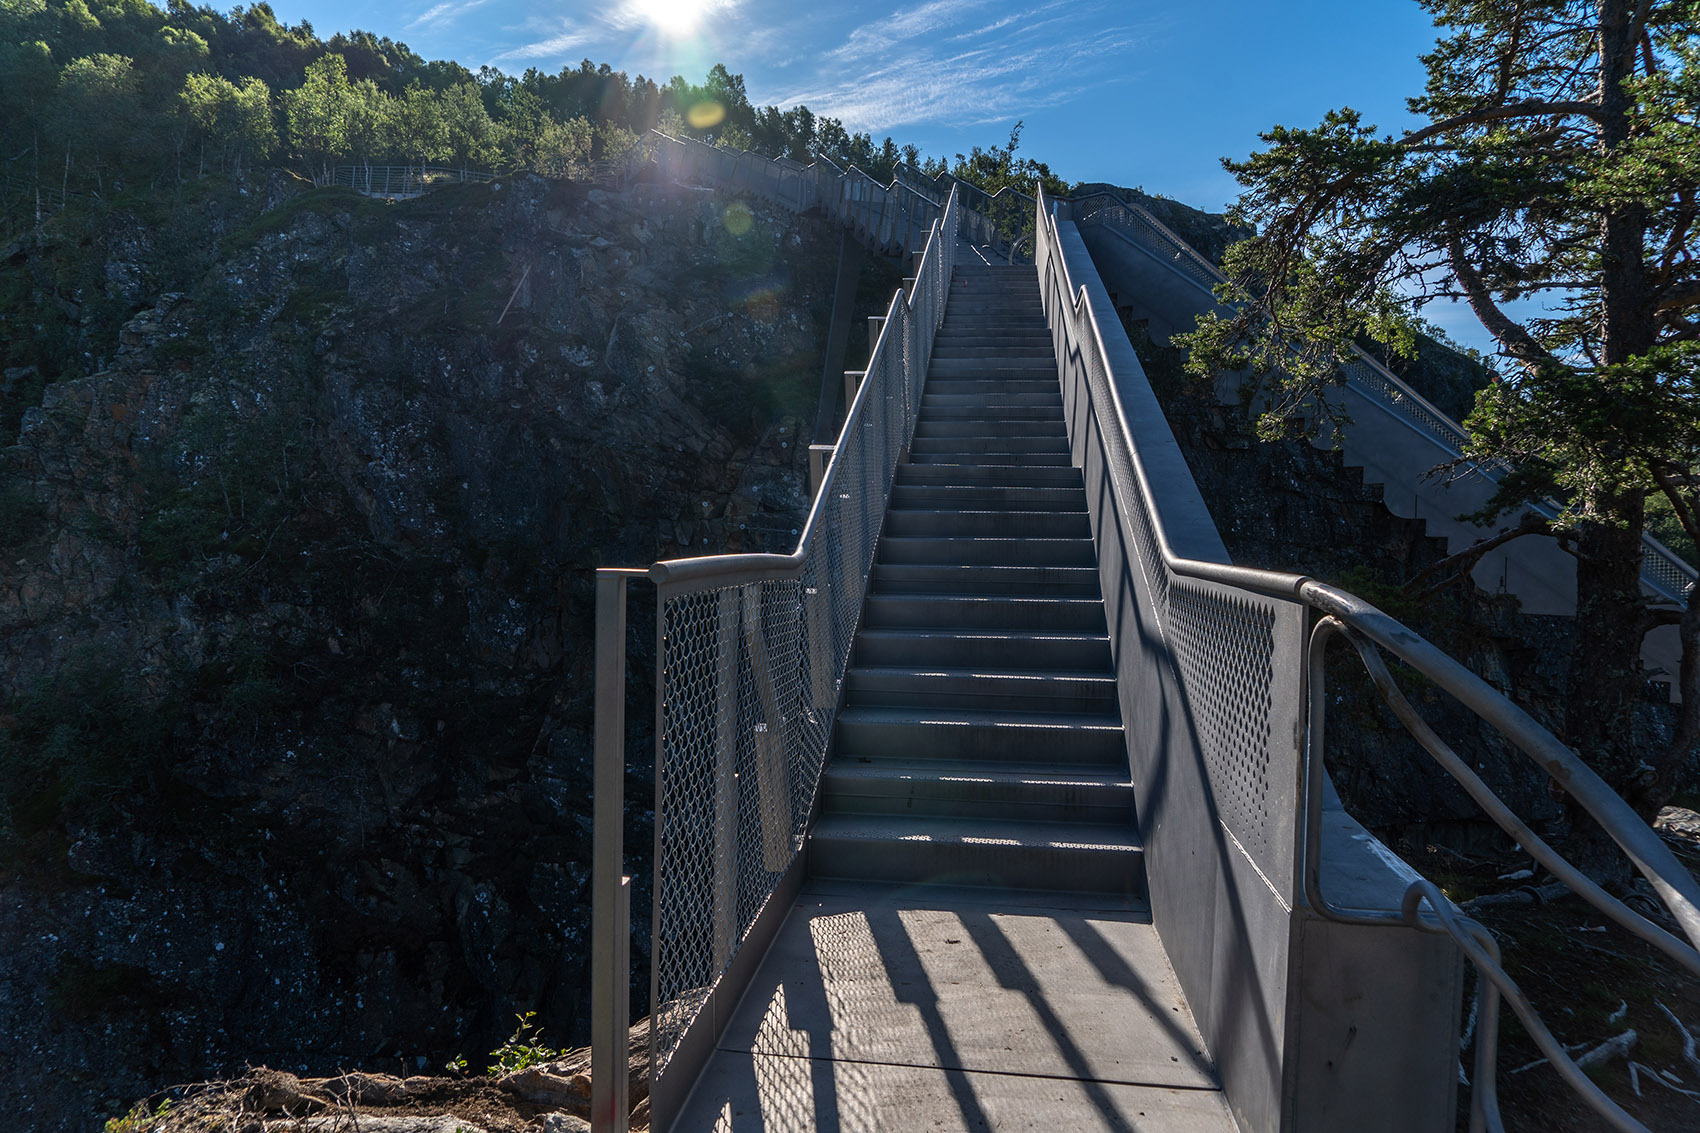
(751, 654)
(1224, 691)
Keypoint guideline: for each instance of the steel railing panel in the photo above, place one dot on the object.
(751, 657)
(1209, 661)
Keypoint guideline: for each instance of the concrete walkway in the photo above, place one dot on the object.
(882, 1007)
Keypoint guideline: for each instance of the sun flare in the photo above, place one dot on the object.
(671, 17)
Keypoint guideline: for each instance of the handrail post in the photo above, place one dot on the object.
(852, 383)
(819, 457)
(876, 324)
(611, 889)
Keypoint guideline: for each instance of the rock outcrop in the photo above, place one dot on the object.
(295, 611)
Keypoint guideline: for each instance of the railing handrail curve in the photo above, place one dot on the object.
(1649, 853)
(1675, 886)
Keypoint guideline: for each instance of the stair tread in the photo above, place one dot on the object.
(883, 768)
(991, 831)
(1096, 676)
(979, 717)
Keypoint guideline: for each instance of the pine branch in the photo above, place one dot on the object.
(1518, 342)
(1531, 108)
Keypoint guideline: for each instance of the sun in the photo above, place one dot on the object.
(671, 17)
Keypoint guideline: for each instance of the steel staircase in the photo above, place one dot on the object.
(1009, 660)
(980, 742)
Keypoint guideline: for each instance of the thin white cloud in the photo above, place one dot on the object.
(440, 14)
(902, 27)
(1004, 70)
(568, 39)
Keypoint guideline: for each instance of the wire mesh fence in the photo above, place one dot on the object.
(751, 656)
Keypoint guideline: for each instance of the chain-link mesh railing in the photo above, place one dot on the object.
(752, 653)
(1663, 572)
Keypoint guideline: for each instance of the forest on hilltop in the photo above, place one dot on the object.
(101, 94)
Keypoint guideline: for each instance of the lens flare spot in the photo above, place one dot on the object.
(706, 115)
(738, 220)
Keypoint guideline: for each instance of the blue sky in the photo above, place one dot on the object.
(1128, 91)
(1132, 92)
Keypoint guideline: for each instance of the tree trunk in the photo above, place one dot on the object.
(1605, 681)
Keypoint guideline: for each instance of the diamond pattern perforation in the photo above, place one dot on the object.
(1226, 646)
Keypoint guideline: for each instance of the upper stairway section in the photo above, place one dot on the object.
(892, 219)
(1396, 435)
(979, 742)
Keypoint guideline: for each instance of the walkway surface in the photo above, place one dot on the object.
(935, 1008)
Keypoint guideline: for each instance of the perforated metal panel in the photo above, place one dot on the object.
(1225, 645)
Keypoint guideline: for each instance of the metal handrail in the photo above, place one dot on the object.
(759, 645)
(1662, 570)
(1364, 623)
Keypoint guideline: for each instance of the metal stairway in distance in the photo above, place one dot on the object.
(979, 742)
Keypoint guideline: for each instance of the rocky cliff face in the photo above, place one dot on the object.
(295, 610)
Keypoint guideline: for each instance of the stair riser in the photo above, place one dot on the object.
(991, 524)
(1058, 459)
(930, 612)
(957, 799)
(980, 865)
(943, 693)
(984, 387)
(921, 475)
(993, 430)
(991, 652)
(1062, 582)
(987, 369)
(979, 323)
(987, 552)
(937, 400)
(993, 412)
(944, 496)
(949, 352)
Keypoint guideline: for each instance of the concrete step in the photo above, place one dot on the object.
(950, 578)
(990, 648)
(974, 788)
(1004, 853)
(983, 611)
(982, 688)
(987, 551)
(988, 497)
(900, 522)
